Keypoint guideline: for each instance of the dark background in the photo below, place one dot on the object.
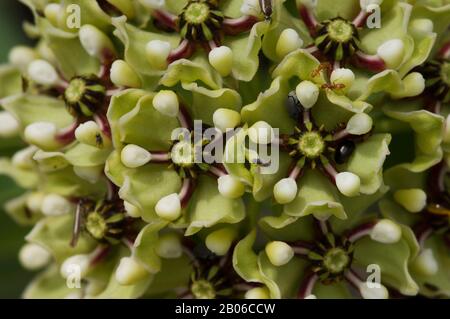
(13, 278)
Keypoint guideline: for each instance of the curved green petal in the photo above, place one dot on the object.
(317, 197)
(10, 81)
(144, 247)
(48, 285)
(22, 177)
(245, 260)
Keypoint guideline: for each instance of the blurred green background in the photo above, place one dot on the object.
(13, 278)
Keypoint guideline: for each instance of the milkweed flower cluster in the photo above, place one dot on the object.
(346, 194)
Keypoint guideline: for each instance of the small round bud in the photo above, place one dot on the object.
(123, 75)
(34, 202)
(56, 205)
(261, 133)
(94, 41)
(90, 133)
(219, 241)
(377, 291)
(285, 191)
(23, 159)
(157, 52)
(359, 124)
(279, 253)
(230, 187)
(392, 53)
(9, 126)
(258, 293)
(42, 72)
(348, 184)
(288, 42)
(130, 271)
(386, 232)
(307, 93)
(41, 134)
(54, 12)
(22, 56)
(133, 156)
(166, 102)
(311, 297)
(169, 246)
(414, 85)
(420, 27)
(90, 174)
(367, 3)
(413, 200)
(132, 210)
(226, 119)
(74, 265)
(343, 76)
(425, 263)
(250, 8)
(221, 59)
(33, 257)
(169, 207)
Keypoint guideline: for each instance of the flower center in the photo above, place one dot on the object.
(84, 96)
(340, 30)
(311, 144)
(96, 225)
(75, 91)
(183, 154)
(200, 21)
(203, 289)
(196, 13)
(336, 260)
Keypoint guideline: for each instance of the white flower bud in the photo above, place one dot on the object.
(285, 190)
(420, 27)
(33, 256)
(373, 292)
(221, 59)
(307, 93)
(257, 293)
(94, 41)
(130, 271)
(226, 119)
(230, 187)
(132, 210)
(157, 52)
(169, 207)
(75, 265)
(392, 53)
(413, 200)
(348, 184)
(54, 12)
(9, 126)
(288, 42)
(154, 4)
(343, 76)
(311, 297)
(279, 253)
(90, 174)
(42, 134)
(22, 56)
(42, 72)
(261, 133)
(366, 3)
(219, 241)
(56, 205)
(414, 84)
(23, 159)
(425, 263)
(123, 75)
(359, 124)
(133, 156)
(34, 202)
(166, 102)
(251, 8)
(90, 133)
(169, 246)
(386, 232)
